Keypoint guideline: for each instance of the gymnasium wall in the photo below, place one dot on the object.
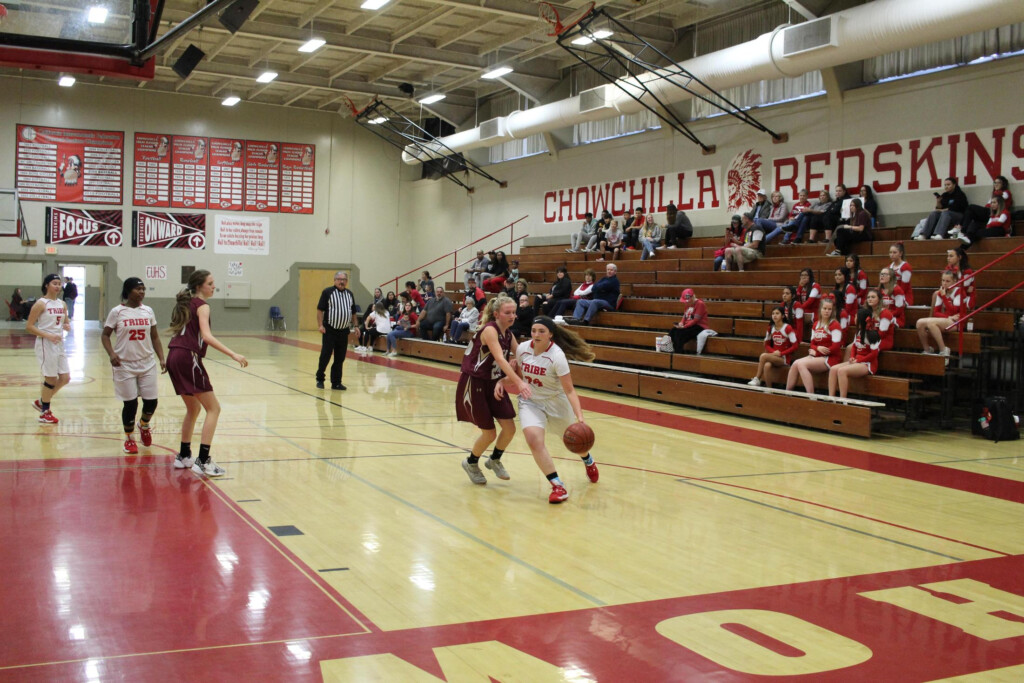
(974, 98)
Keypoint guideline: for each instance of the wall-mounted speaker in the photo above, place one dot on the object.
(237, 12)
(188, 61)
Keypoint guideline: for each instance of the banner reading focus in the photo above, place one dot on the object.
(84, 228)
(168, 230)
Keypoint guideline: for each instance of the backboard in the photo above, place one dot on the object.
(12, 220)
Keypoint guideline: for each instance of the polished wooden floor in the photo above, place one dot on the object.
(346, 544)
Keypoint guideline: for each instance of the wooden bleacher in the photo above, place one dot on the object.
(739, 305)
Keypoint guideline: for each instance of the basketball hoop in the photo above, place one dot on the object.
(559, 25)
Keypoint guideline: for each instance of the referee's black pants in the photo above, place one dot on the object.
(334, 342)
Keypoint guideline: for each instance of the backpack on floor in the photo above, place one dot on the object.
(994, 420)
(664, 344)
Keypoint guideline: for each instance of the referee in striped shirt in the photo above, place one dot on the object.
(334, 315)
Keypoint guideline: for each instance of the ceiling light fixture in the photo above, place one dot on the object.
(312, 45)
(267, 76)
(97, 15)
(430, 99)
(379, 120)
(231, 101)
(66, 81)
(497, 73)
(596, 35)
(374, 4)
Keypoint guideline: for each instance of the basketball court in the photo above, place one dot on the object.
(345, 543)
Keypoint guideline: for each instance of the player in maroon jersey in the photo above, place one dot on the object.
(476, 401)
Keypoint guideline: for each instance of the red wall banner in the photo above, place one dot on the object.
(227, 169)
(262, 176)
(168, 230)
(189, 166)
(297, 178)
(152, 174)
(69, 165)
(82, 227)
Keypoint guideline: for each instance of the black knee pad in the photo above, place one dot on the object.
(128, 412)
(48, 385)
(149, 406)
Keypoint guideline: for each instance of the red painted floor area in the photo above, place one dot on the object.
(105, 558)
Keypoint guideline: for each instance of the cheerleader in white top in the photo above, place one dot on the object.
(48, 320)
(826, 348)
(134, 354)
(946, 309)
(543, 363)
(902, 270)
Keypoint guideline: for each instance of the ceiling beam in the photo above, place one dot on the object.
(295, 98)
(265, 53)
(314, 11)
(475, 24)
(370, 16)
(418, 25)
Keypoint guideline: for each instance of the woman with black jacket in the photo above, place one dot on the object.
(561, 290)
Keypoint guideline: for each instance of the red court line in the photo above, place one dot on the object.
(925, 473)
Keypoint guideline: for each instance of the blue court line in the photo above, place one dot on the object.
(430, 515)
(820, 521)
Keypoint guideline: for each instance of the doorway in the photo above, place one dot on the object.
(77, 309)
(311, 283)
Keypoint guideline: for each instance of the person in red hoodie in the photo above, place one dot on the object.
(864, 359)
(414, 294)
(780, 343)
(694, 321)
(826, 349)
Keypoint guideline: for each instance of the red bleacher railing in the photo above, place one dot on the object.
(511, 227)
(961, 324)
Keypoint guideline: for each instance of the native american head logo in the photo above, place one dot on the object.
(743, 179)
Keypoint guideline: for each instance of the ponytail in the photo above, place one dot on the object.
(183, 301)
(491, 309)
(572, 344)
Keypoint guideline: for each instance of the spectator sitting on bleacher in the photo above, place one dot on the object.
(828, 218)
(863, 361)
(525, 313)
(479, 296)
(950, 207)
(778, 212)
(436, 317)
(762, 207)
(498, 272)
(509, 285)
(561, 290)
(859, 279)
(426, 285)
(999, 225)
(780, 343)
(391, 305)
(605, 297)
(867, 198)
(378, 298)
(650, 237)
(476, 270)
(978, 217)
(753, 243)
(16, 301)
(810, 218)
(789, 226)
(956, 260)
(826, 348)
(468, 318)
(882, 319)
(808, 293)
(845, 295)
(945, 310)
(893, 297)
(581, 240)
(857, 230)
(794, 310)
(692, 325)
(612, 241)
(631, 228)
(603, 225)
(677, 230)
(584, 291)
(902, 270)
(414, 295)
(377, 324)
(733, 238)
(405, 326)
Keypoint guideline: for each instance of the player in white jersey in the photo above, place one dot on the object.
(133, 359)
(48, 320)
(543, 363)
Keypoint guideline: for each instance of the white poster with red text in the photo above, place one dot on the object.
(233, 234)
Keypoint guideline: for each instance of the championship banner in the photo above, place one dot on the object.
(69, 165)
(262, 179)
(152, 179)
(85, 228)
(189, 161)
(297, 178)
(168, 230)
(227, 168)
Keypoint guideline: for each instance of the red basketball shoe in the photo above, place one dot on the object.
(147, 438)
(37, 405)
(48, 418)
(558, 494)
(592, 473)
(130, 446)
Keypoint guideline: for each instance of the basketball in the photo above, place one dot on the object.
(578, 438)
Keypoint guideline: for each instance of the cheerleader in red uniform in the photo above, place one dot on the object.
(858, 277)
(956, 261)
(893, 297)
(881, 320)
(794, 310)
(809, 293)
(902, 271)
(780, 343)
(864, 360)
(826, 347)
(845, 295)
(945, 310)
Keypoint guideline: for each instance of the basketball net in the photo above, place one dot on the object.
(560, 25)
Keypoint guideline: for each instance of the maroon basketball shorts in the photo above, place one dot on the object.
(475, 402)
(187, 372)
